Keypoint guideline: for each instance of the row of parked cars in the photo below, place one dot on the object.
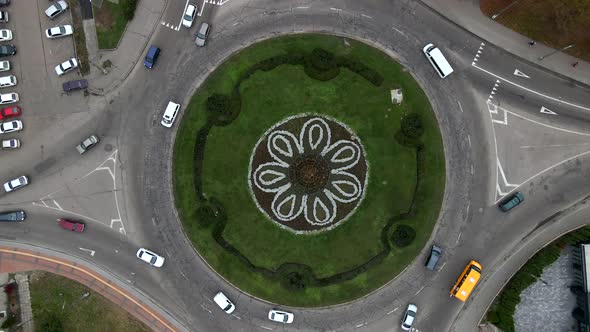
(8, 123)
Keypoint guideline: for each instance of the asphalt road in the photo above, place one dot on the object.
(495, 136)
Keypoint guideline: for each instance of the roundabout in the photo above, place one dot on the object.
(303, 172)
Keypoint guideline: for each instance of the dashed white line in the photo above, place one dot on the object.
(472, 169)
(302, 7)
(367, 16)
(469, 139)
(58, 206)
(392, 311)
(361, 324)
(336, 9)
(442, 267)
(458, 238)
(467, 210)
(460, 108)
(400, 32)
(266, 328)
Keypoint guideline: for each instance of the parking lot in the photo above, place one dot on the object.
(45, 107)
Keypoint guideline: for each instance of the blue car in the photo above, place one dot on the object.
(512, 202)
(151, 57)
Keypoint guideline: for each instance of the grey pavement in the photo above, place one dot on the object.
(466, 13)
(547, 304)
(24, 297)
(129, 51)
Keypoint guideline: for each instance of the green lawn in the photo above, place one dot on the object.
(267, 98)
(110, 23)
(57, 299)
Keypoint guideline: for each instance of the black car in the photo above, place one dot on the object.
(75, 85)
(14, 216)
(7, 49)
(4, 3)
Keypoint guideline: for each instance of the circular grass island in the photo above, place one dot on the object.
(298, 180)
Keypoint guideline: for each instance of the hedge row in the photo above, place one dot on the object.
(223, 109)
(502, 312)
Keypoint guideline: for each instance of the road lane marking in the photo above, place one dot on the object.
(367, 16)
(530, 90)
(365, 323)
(182, 15)
(392, 311)
(458, 238)
(88, 250)
(547, 111)
(266, 328)
(302, 7)
(460, 108)
(419, 290)
(479, 50)
(469, 140)
(442, 267)
(521, 74)
(402, 33)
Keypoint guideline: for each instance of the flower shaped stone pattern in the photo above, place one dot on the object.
(308, 173)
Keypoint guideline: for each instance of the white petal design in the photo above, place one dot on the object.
(344, 187)
(287, 205)
(271, 177)
(315, 136)
(342, 155)
(283, 146)
(320, 209)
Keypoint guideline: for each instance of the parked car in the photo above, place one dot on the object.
(6, 81)
(170, 114)
(10, 112)
(15, 184)
(4, 65)
(59, 31)
(224, 303)
(8, 98)
(3, 17)
(281, 316)
(56, 9)
(15, 216)
(11, 126)
(5, 35)
(202, 34)
(189, 16)
(75, 85)
(409, 317)
(71, 225)
(4, 3)
(66, 66)
(87, 144)
(7, 50)
(150, 257)
(12, 143)
(435, 253)
(511, 202)
(151, 57)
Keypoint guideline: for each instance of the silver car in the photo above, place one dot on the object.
(17, 183)
(87, 144)
(202, 34)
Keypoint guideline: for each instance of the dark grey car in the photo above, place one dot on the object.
(435, 254)
(14, 216)
(75, 85)
(7, 50)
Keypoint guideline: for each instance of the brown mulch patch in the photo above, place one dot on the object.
(103, 17)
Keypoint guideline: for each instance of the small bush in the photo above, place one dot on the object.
(322, 60)
(359, 68)
(129, 7)
(403, 235)
(493, 317)
(411, 126)
(9, 322)
(205, 216)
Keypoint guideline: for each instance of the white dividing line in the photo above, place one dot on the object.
(400, 32)
(530, 90)
(472, 169)
(469, 140)
(460, 108)
(58, 206)
(458, 238)
(544, 125)
(266, 328)
(335, 9)
(367, 16)
(202, 306)
(88, 250)
(302, 7)
(392, 311)
(551, 145)
(361, 324)
(467, 211)
(419, 291)
(442, 267)
(548, 168)
(202, 8)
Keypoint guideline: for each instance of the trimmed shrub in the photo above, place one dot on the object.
(411, 126)
(295, 276)
(492, 317)
(403, 235)
(321, 65)
(359, 68)
(205, 216)
(128, 7)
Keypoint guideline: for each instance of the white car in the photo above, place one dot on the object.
(17, 183)
(59, 31)
(7, 81)
(189, 16)
(4, 65)
(281, 316)
(150, 257)
(170, 114)
(409, 317)
(11, 126)
(66, 66)
(57, 8)
(12, 143)
(8, 98)
(224, 303)
(5, 35)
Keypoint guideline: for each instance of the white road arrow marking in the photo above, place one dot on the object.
(519, 73)
(88, 250)
(547, 111)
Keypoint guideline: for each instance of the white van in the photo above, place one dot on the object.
(438, 61)
(170, 114)
(7, 81)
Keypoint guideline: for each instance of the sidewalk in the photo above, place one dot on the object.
(466, 13)
(129, 51)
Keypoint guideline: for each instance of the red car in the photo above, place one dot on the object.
(71, 225)
(10, 112)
